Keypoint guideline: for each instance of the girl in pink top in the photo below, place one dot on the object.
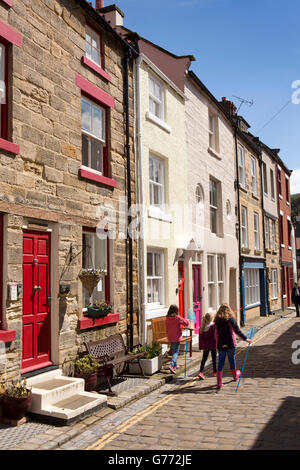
(174, 333)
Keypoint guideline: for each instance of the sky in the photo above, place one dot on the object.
(246, 49)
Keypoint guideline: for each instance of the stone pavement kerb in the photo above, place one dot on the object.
(53, 437)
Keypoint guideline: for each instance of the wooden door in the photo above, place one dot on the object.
(181, 288)
(197, 296)
(36, 309)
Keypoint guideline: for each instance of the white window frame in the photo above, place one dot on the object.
(256, 231)
(274, 246)
(214, 209)
(213, 138)
(254, 176)
(156, 162)
(244, 225)
(251, 287)
(241, 165)
(156, 99)
(215, 282)
(92, 136)
(152, 305)
(274, 284)
(267, 233)
(97, 245)
(272, 184)
(94, 44)
(265, 178)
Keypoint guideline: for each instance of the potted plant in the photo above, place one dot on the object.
(99, 309)
(17, 400)
(86, 367)
(151, 361)
(90, 278)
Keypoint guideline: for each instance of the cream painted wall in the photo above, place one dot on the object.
(202, 163)
(169, 145)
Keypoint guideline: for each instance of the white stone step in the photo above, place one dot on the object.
(62, 398)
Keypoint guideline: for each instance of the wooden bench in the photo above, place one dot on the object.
(160, 335)
(111, 352)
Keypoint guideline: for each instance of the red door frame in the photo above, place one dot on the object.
(1, 269)
(36, 309)
(181, 288)
(197, 295)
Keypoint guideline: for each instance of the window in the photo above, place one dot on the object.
(95, 255)
(213, 203)
(265, 178)
(287, 190)
(3, 94)
(274, 247)
(213, 132)
(279, 182)
(267, 233)
(241, 162)
(289, 225)
(93, 46)
(254, 176)
(93, 135)
(215, 280)
(281, 228)
(272, 184)
(157, 181)
(156, 98)
(252, 292)
(244, 227)
(155, 276)
(256, 231)
(274, 284)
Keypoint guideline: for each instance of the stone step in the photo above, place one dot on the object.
(62, 399)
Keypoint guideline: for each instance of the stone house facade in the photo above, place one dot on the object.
(65, 128)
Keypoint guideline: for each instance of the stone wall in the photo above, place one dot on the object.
(42, 181)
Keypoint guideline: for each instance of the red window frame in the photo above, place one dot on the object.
(4, 107)
(107, 277)
(99, 69)
(1, 271)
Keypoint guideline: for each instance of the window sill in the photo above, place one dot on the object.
(282, 245)
(9, 147)
(274, 298)
(243, 188)
(85, 323)
(246, 250)
(287, 203)
(7, 336)
(290, 248)
(97, 177)
(252, 306)
(255, 196)
(96, 68)
(156, 313)
(257, 252)
(158, 214)
(284, 296)
(280, 197)
(159, 122)
(214, 153)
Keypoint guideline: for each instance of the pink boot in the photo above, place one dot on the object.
(235, 374)
(219, 379)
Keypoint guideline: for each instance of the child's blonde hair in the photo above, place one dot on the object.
(206, 320)
(224, 312)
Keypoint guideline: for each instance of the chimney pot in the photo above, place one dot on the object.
(99, 4)
(229, 106)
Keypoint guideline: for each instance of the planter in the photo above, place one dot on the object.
(16, 408)
(149, 366)
(93, 312)
(90, 380)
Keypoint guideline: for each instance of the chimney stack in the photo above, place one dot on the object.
(229, 106)
(112, 14)
(99, 4)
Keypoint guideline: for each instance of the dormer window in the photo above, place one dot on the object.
(93, 46)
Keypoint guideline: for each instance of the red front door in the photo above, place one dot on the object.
(197, 295)
(36, 310)
(181, 288)
(1, 266)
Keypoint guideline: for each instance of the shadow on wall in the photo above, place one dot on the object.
(282, 431)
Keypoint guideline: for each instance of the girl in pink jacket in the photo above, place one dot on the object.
(174, 333)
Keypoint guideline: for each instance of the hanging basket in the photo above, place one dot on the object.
(90, 279)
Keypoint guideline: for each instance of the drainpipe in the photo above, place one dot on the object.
(263, 222)
(237, 187)
(139, 173)
(129, 217)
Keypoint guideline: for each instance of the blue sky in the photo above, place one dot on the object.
(247, 49)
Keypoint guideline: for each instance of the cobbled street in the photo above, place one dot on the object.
(192, 415)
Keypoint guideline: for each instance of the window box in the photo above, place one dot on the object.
(85, 323)
(246, 250)
(89, 174)
(257, 252)
(7, 336)
(94, 312)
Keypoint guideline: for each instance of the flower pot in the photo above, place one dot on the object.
(16, 408)
(149, 366)
(90, 380)
(96, 312)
